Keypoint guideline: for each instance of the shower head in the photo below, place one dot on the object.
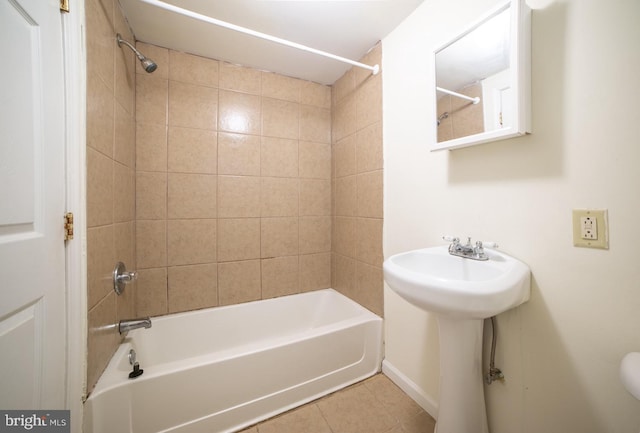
(442, 117)
(147, 64)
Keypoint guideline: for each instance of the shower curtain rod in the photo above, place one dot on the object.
(459, 95)
(185, 12)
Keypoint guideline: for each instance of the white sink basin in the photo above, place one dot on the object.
(630, 373)
(462, 292)
(436, 281)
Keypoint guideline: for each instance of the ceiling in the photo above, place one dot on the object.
(347, 28)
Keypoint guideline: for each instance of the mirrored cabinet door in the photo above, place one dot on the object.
(482, 80)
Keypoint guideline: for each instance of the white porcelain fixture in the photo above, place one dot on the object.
(462, 292)
(438, 282)
(630, 373)
(225, 368)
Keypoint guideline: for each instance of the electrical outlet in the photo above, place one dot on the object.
(590, 228)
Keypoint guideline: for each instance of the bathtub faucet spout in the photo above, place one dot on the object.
(128, 325)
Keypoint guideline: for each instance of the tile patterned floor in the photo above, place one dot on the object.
(375, 405)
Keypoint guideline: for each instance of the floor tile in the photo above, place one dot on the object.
(375, 405)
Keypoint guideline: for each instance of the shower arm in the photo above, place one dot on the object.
(185, 12)
(122, 41)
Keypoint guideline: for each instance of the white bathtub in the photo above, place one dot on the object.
(225, 368)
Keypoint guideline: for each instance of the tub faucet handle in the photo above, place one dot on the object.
(122, 277)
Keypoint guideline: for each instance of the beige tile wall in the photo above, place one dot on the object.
(357, 185)
(233, 184)
(216, 181)
(110, 177)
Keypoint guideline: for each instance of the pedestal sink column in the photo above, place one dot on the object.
(461, 408)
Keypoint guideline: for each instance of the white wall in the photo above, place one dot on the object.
(560, 352)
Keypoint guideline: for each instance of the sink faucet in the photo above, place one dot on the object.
(128, 325)
(468, 251)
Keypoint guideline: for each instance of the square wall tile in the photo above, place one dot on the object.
(192, 69)
(369, 287)
(344, 119)
(279, 196)
(191, 196)
(192, 287)
(240, 78)
(124, 203)
(238, 239)
(315, 124)
(152, 96)
(151, 244)
(151, 292)
(192, 151)
(99, 189)
(344, 156)
(279, 157)
(369, 102)
(315, 197)
(100, 261)
(369, 241)
(191, 241)
(239, 282)
(279, 237)
(345, 199)
(280, 118)
(239, 112)
(151, 195)
(370, 194)
(279, 276)
(315, 94)
(314, 160)
(280, 87)
(344, 275)
(125, 246)
(193, 106)
(344, 236)
(238, 154)
(238, 196)
(124, 147)
(315, 271)
(369, 148)
(151, 147)
(315, 234)
(100, 116)
(344, 87)
(100, 42)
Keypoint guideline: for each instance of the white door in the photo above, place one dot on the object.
(32, 202)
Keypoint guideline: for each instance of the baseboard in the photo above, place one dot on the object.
(411, 389)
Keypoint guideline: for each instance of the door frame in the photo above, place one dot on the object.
(73, 40)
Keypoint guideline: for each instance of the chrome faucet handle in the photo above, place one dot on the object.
(122, 277)
(451, 239)
(487, 244)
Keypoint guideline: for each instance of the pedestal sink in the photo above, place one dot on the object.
(462, 293)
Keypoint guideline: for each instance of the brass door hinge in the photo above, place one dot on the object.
(64, 5)
(68, 226)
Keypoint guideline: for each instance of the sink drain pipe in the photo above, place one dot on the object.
(494, 373)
